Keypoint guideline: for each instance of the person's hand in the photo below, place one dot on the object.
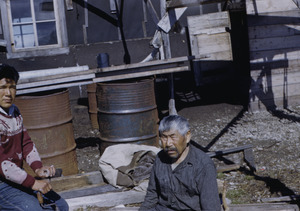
(45, 171)
(41, 186)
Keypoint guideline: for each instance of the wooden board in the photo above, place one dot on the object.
(278, 79)
(63, 183)
(106, 200)
(282, 17)
(209, 36)
(264, 207)
(189, 3)
(139, 74)
(278, 30)
(289, 43)
(269, 6)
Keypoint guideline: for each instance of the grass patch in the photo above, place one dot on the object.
(237, 196)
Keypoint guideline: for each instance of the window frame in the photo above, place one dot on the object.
(44, 50)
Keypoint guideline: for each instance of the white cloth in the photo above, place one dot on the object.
(119, 155)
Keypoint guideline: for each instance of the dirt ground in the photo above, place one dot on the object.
(273, 135)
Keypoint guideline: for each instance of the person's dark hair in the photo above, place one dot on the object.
(7, 71)
(174, 122)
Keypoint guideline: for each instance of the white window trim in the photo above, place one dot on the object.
(45, 50)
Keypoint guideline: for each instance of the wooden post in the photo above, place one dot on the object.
(167, 55)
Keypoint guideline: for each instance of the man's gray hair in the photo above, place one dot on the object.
(174, 122)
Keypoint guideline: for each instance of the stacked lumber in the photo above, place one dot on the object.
(274, 43)
(49, 79)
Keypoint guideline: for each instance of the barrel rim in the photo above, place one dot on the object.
(146, 80)
(131, 139)
(55, 92)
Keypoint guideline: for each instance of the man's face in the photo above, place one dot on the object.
(174, 143)
(7, 93)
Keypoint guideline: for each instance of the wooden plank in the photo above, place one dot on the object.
(281, 199)
(275, 43)
(190, 3)
(56, 81)
(106, 200)
(264, 207)
(50, 72)
(209, 36)
(150, 64)
(140, 74)
(279, 30)
(283, 17)
(63, 183)
(198, 23)
(218, 44)
(279, 79)
(275, 55)
(57, 76)
(269, 6)
(58, 86)
(88, 190)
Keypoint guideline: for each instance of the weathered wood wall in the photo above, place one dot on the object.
(274, 45)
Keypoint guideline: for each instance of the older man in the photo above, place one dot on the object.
(17, 188)
(183, 177)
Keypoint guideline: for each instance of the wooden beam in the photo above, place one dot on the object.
(57, 76)
(56, 81)
(76, 181)
(189, 3)
(59, 86)
(147, 65)
(140, 74)
(107, 200)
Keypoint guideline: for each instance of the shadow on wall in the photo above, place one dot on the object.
(273, 50)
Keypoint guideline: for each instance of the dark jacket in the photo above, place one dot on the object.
(192, 185)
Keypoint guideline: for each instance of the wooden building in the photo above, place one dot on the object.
(274, 43)
(247, 48)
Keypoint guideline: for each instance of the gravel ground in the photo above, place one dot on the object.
(273, 135)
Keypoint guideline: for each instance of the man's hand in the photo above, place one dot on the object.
(42, 186)
(45, 171)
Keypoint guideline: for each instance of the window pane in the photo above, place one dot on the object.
(46, 33)
(23, 36)
(44, 10)
(20, 11)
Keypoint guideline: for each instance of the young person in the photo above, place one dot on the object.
(18, 190)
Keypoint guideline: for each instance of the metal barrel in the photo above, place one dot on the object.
(47, 117)
(127, 113)
(91, 91)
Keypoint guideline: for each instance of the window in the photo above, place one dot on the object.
(34, 27)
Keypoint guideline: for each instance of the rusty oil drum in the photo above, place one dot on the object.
(47, 117)
(127, 113)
